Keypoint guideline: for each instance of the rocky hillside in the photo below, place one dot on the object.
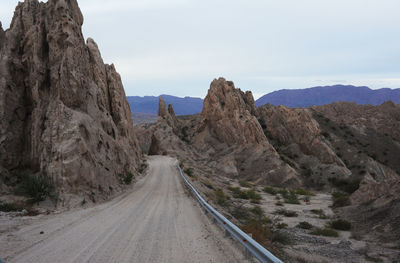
(344, 152)
(63, 112)
(329, 94)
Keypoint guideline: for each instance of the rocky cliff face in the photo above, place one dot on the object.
(63, 112)
(228, 115)
(297, 126)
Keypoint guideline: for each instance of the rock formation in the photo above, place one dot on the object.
(228, 115)
(63, 112)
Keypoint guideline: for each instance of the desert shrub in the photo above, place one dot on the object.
(340, 199)
(281, 237)
(291, 198)
(11, 207)
(281, 225)
(328, 232)
(38, 187)
(143, 166)
(249, 194)
(282, 192)
(241, 213)
(270, 190)
(244, 183)
(257, 211)
(220, 197)
(126, 178)
(319, 212)
(92, 197)
(259, 232)
(340, 224)
(279, 203)
(254, 201)
(188, 171)
(238, 193)
(346, 185)
(287, 213)
(304, 225)
(252, 194)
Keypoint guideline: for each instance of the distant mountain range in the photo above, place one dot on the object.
(329, 94)
(148, 105)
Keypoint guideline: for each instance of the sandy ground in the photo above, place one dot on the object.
(155, 222)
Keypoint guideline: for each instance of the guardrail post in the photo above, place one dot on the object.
(247, 253)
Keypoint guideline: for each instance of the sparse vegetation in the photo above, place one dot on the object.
(287, 213)
(259, 232)
(340, 224)
(304, 225)
(281, 225)
(320, 213)
(189, 171)
(38, 187)
(281, 237)
(340, 199)
(143, 167)
(241, 213)
(327, 232)
(270, 190)
(244, 183)
(249, 194)
(221, 198)
(291, 198)
(238, 193)
(11, 207)
(126, 178)
(253, 195)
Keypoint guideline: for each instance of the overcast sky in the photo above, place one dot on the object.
(179, 46)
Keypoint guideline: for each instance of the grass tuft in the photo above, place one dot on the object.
(327, 232)
(340, 224)
(304, 225)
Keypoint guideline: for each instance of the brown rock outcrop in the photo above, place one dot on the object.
(63, 112)
(384, 119)
(227, 115)
(297, 126)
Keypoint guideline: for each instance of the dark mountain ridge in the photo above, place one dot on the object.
(317, 96)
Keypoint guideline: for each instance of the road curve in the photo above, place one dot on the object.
(156, 222)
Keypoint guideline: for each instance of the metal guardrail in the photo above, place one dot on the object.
(250, 244)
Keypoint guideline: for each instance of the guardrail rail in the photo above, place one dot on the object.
(251, 246)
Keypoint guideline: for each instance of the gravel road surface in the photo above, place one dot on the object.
(157, 221)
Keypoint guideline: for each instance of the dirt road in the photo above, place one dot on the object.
(156, 222)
